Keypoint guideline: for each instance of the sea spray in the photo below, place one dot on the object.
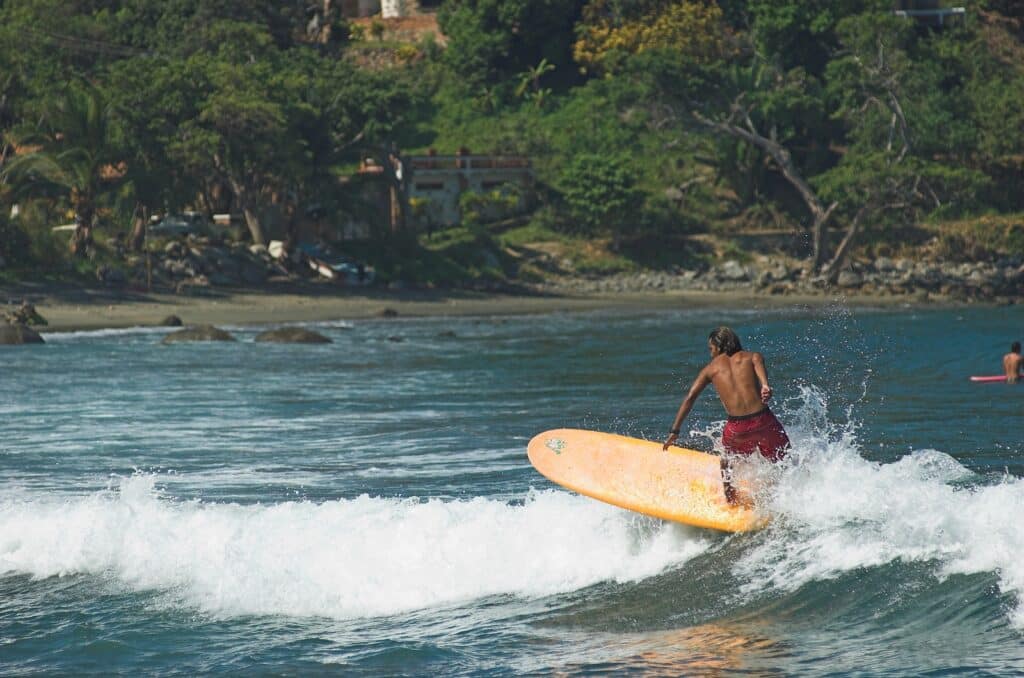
(836, 512)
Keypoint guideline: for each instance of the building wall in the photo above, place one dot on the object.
(441, 180)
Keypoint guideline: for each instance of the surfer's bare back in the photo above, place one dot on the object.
(741, 381)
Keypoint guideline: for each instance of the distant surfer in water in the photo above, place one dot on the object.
(741, 381)
(1012, 363)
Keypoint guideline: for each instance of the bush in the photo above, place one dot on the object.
(407, 53)
(488, 206)
(377, 29)
(601, 193)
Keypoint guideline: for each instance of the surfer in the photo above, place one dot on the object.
(1012, 362)
(751, 426)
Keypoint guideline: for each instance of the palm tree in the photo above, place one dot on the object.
(72, 153)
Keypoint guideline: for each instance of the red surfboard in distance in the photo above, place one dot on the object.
(990, 380)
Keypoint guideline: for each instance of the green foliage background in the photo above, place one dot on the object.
(205, 95)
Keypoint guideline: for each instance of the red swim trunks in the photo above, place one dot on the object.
(758, 432)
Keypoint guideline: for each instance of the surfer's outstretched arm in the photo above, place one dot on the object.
(762, 376)
(702, 380)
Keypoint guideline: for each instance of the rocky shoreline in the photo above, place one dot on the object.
(197, 267)
(203, 266)
(1000, 281)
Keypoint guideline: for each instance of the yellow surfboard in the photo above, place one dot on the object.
(679, 484)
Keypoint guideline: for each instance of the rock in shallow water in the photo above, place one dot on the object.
(198, 333)
(292, 335)
(11, 335)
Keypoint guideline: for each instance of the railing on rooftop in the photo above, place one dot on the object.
(471, 162)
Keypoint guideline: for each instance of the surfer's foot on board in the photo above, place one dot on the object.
(732, 495)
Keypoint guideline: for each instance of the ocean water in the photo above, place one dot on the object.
(367, 508)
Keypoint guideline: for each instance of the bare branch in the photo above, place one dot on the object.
(783, 159)
(832, 269)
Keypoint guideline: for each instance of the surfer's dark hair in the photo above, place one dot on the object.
(1015, 348)
(725, 340)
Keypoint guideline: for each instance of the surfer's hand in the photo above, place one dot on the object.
(668, 441)
(766, 393)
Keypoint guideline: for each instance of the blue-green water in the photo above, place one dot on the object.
(366, 507)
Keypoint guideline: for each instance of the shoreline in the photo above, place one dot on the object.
(81, 309)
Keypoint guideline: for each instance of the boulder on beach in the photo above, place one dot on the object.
(849, 279)
(14, 334)
(171, 321)
(292, 335)
(198, 333)
(733, 271)
(26, 314)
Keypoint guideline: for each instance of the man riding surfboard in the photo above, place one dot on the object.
(741, 381)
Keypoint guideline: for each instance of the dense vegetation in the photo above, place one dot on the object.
(648, 122)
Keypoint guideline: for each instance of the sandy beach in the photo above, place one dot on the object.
(73, 308)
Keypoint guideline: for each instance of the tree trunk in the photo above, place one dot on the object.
(328, 20)
(244, 195)
(398, 199)
(395, 214)
(139, 219)
(819, 232)
(81, 237)
(252, 220)
(831, 271)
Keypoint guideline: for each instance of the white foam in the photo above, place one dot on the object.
(837, 512)
(342, 559)
(74, 335)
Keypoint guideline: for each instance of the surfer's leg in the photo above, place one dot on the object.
(732, 443)
(730, 491)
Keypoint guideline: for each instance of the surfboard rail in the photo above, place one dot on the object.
(680, 484)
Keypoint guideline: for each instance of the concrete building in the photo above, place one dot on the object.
(440, 180)
(433, 186)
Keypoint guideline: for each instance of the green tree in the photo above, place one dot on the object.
(908, 144)
(802, 33)
(602, 195)
(241, 132)
(154, 98)
(529, 83)
(491, 41)
(750, 101)
(75, 154)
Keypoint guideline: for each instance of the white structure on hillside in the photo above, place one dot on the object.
(440, 180)
(393, 9)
